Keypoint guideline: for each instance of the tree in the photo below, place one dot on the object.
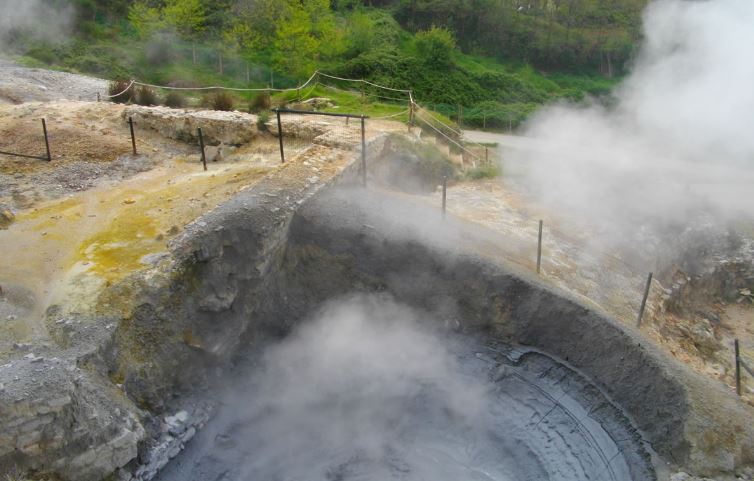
(187, 17)
(296, 48)
(306, 33)
(435, 46)
(144, 18)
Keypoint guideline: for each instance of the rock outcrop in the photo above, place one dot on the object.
(218, 127)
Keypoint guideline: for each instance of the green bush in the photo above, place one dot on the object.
(260, 102)
(486, 171)
(435, 46)
(146, 96)
(218, 101)
(117, 90)
(222, 101)
(175, 100)
(262, 118)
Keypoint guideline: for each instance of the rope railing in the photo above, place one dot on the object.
(131, 84)
(220, 87)
(448, 138)
(314, 78)
(405, 112)
(454, 132)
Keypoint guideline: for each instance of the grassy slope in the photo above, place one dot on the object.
(108, 53)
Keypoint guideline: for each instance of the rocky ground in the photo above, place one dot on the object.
(76, 229)
(96, 207)
(20, 84)
(695, 328)
(94, 216)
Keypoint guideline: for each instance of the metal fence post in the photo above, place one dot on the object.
(280, 137)
(738, 368)
(444, 194)
(539, 247)
(133, 137)
(47, 140)
(201, 145)
(363, 154)
(644, 300)
(410, 114)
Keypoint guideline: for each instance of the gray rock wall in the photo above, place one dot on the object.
(357, 240)
(218, 127)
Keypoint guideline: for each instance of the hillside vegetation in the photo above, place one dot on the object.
(489, 62)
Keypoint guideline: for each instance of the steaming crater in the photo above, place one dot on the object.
(370, 390)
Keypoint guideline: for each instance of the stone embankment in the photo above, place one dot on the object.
(90, 402)
(107, 398)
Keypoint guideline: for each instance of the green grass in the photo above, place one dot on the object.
(486, 171)
(346, 102)
(494, 94)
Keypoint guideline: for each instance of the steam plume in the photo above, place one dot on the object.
(338, 397)
(676, 145)
(40, 19)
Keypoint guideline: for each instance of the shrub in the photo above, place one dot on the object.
(175, 100)
(260, 102)
(486, 171)
(146, 96)
(218, 101)
(435, 46)
(118, 89)
(262, 118)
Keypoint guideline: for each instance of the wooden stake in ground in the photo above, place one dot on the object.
(539, 247)
(644, 300)
(201, 145)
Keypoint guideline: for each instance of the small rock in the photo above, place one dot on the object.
(129, 201)
(6, 218)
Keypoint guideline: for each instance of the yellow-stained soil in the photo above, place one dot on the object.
(65, 244)
(108, 231)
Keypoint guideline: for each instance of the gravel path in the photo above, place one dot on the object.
(21, 84)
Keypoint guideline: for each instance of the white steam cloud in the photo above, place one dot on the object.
(361, 392)
(677, 145)
(45, 20)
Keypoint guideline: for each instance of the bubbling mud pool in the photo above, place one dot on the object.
(370, 391)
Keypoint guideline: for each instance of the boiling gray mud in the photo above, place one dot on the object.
(371, 390)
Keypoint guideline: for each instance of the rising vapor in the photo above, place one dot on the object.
(676, 147)
(45, 20)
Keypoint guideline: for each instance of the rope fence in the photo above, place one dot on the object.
(477, 152)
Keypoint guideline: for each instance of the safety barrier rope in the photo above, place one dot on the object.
(365, 82)
(458, 133)
(233, 89)
(448, 138)
(393, 115)
(121, 93)
(311, 79)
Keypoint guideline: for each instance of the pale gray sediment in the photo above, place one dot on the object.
(541, 421)
(260, 264)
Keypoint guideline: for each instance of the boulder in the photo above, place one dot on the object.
(218, 127)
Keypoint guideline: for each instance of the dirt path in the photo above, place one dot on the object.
(20, 84)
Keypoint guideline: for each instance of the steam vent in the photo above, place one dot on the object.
(371, 241)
